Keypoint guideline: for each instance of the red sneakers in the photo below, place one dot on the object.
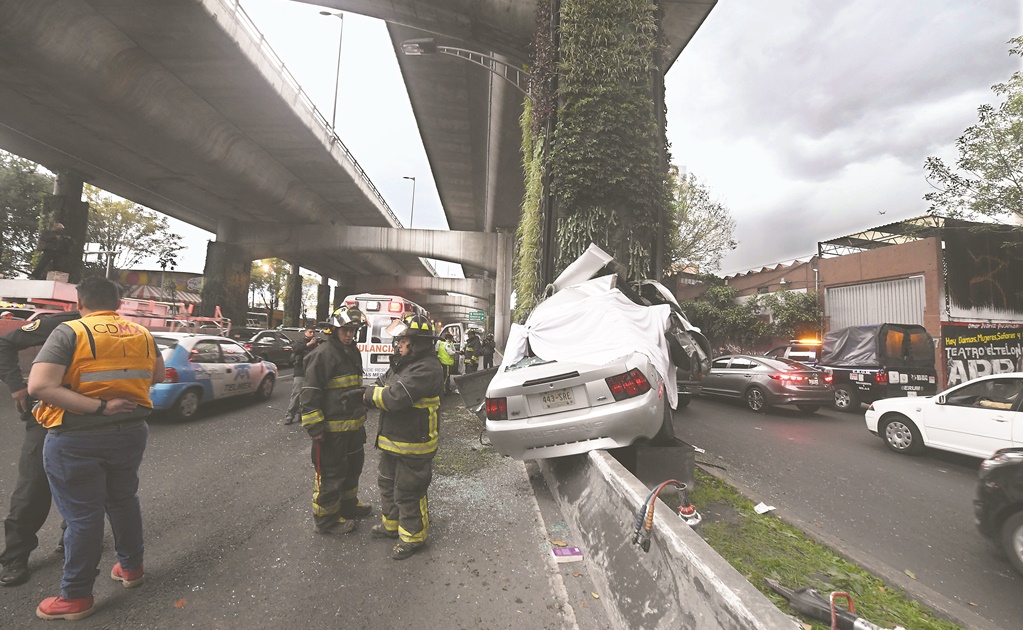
(129, 577)
(70, 609)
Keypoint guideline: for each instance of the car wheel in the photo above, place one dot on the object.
(187, 405)
(756, 399)
(846, 399)
(683, 401)
(808, 409)
(266, 388)
(1012, 540)
(900, 434)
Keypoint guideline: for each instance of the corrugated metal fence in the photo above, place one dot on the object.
(896, 301)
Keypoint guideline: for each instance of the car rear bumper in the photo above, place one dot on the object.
(578, 431)
(802, 398)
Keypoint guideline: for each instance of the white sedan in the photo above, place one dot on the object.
(974, 418)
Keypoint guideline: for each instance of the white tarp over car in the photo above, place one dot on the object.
(593, 323)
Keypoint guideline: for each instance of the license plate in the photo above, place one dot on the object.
(813, 380)
(911, 394)
(557, 398)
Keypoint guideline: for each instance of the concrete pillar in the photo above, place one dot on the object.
(503, 288)
(322, 300)
(293, 297)
(339, 296)
(65, 206)
(226, 281)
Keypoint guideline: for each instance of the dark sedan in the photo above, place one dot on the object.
(998, 508)
(273, 346)
(762, 382)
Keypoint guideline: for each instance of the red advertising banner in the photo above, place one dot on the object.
(973, 350)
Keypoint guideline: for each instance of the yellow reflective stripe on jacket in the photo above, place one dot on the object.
(407, 448)
(378, 398)
(312, 417)
(340, 426)
(342, 382)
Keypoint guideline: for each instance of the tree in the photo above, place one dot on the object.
(703, 228)
(268, 279)
(131, 231)
(724, 320)
(988, 176)
(22, 190)
(793, 314)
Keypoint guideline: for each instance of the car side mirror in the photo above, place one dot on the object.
(940, 399)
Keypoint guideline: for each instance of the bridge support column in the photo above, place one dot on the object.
(226, 276)
(339, 297)
(65, 206)
(323, 300)
(293, 297)
(502, 288)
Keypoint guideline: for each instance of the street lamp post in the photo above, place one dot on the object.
(412, 213)
(337, 78)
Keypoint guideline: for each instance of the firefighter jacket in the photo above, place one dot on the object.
(30, 335)
(331, 370)
(445, 353)
(472, 350)
(408, 396)
(113, 358)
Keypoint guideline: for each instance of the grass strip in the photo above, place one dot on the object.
(764, 546)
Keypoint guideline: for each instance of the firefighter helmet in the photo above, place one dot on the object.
(347, 317)
(412, 326)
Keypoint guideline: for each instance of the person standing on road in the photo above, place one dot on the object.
(92, 378)
(335, 420)
(408, 397)
(472, 352)
(446, 356)
(30, 502)
(488, 351)
(302, 349)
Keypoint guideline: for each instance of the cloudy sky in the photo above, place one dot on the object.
(806, 118)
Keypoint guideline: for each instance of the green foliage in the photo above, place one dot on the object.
(267, 280)
(762, 546)
(22, 190)
(133, 232)
(702, 229)
(793, 314)
(607, 167)
(725, 323)
(987, 179)
(528, 235)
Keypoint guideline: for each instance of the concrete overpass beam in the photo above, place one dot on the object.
(402, 285)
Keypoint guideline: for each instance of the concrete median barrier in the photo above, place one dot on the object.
(681, 583)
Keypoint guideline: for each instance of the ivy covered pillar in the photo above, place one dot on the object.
(226, 276)
(293, 297)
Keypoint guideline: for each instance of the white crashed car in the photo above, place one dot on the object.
(590, 369)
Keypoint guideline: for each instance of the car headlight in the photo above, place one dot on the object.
(1001, 458)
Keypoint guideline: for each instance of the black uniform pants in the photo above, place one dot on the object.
(338, 462)
(403, 484)
(30, 502)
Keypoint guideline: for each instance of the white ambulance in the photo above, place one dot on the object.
(374, 342)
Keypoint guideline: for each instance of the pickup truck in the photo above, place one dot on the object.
(879, 361)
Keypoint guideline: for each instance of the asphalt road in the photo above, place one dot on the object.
(893, 514)
(230, 541)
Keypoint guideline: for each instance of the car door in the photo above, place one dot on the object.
(207, 368)
(739, 375)
(243, 372)
(713, 382)
(976, 418)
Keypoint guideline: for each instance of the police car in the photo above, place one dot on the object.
(201, 368)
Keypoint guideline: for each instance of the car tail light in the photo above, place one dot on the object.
(247, 346)
(170, 375)
(628, 385)
(497, 409)
(785, 377)
(395, 307)
(881, 378)
(829, 377)
(288, 348)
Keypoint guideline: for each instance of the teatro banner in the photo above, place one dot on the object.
(973, 350)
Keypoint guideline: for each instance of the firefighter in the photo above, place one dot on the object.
(30, 502)
(446, 355)
(408, 397)
(335, 419)
(472, 352)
